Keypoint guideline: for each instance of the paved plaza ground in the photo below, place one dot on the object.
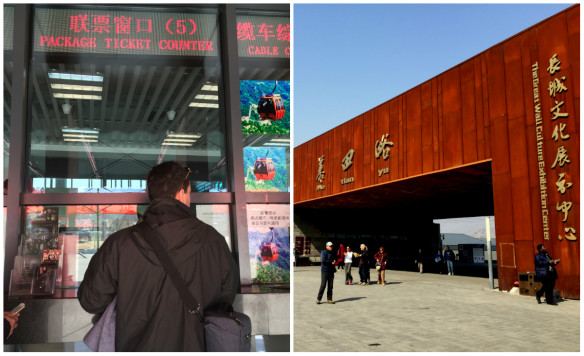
(427, 312)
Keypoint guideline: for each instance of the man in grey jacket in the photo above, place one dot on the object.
(151, 316)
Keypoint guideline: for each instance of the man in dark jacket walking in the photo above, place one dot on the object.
(327, 274)
(151, 316)
(545, 271)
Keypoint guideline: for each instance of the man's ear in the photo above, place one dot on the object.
(181, 196)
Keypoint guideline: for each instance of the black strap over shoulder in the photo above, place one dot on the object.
(153, 238)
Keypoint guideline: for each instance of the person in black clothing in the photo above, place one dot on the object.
(439, 259)
(420, 260)
(150, 313)
(449, 260)
(545, 271)
(363, 265)
(327, 273)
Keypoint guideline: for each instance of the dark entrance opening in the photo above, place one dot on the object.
(398, 216)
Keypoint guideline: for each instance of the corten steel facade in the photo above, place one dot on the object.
(497, 134)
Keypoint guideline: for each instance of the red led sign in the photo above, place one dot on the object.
(125, 32)
(263, 36)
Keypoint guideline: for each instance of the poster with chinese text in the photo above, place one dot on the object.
(269, 242)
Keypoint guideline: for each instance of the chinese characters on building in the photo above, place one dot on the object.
(559, 116)
(382, 149)
(321, 173)
(347, 162)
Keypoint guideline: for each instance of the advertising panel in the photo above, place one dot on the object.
(269, 242)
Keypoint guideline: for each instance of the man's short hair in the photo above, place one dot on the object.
(539, 247)
(166, 179)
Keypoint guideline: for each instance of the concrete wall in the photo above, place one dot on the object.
(63, 320)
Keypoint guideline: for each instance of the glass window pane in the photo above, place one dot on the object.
(115, 92)
(59, 242)
(268, 228)
(8, 42)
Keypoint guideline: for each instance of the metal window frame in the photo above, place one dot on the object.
(237, 198)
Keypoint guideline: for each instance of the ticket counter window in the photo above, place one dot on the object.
(116, 92)
(59, 242)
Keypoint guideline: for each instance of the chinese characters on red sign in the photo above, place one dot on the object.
(132, 33)
(268, 38)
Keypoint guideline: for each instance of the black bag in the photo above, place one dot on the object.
(228, 331)
(225, 331)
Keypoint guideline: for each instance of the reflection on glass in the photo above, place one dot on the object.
(7, 115)
(60, 241)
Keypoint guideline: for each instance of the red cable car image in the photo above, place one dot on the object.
(264, 168)
(269, 250)
(271, 106)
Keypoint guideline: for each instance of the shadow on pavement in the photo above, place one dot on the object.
(349, 299)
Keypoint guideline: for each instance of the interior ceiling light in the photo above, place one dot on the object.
(79, 77)
(207, 97)
(176, 144)
(80, 135)
(170, 114)
(66, 108)
(57, 86)
(80, 131)
(210, 87)
(196, 104)
(175, 135)
(79, 140)
(76, 96)
(83, 83)
(180, 139)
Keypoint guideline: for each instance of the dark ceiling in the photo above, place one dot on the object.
(461, 192)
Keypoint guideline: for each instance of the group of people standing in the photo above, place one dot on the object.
(441, 260)
(330, 263)
(343, 259)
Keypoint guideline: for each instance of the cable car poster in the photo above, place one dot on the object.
(265, 169)
(265, 107)
(269, 242)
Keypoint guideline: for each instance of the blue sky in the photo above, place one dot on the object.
(350, 58)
